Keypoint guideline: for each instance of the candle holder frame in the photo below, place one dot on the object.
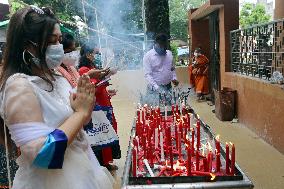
(237, 181)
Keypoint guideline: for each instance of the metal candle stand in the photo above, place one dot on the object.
(238, 180)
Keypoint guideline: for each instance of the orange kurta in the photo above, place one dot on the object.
(198, 75)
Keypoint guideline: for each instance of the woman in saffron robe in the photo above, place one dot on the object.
(198, 74)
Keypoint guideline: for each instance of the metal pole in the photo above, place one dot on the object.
(144, 25)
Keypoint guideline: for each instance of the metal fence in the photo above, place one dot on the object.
(258, 51)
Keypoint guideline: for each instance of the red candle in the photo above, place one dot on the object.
(198, 134)
(143, 116)
(218, 162)
(134, 161)
(138, 115)
(176, 134)
(137, 128)
(188, 121)
(179, 145)
(180, 130)
(188, 159)
(170, 149)
(177, 111)
(192, 141)
(217, 144)
(197, 161)
(233, 160)
(185, 130)
(144, 138)
(209, 157)
(227, 158)
(173, 110)
(205, 165)
(183, 110)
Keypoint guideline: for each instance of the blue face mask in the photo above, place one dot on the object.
(159, 50)
(98, 60)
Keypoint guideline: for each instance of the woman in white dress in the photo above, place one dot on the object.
(43, 116)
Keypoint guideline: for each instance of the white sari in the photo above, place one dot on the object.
(24, 100)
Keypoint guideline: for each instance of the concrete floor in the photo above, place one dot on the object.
(263, 164)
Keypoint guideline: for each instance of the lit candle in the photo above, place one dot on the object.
(170, 149)
(218, 162)
(188, 159)
(177, 111)
(156, 137)
(217, 143)
(138, 115)
(171, 159)
(192, 141)
(227, 158)
(198, 134)
(176, 133)
(179, 145)
(205, 165)
(134, 161)
(180, 129)
(162, 147)
(233, 160)
(197, 160)
(144, 139)
(209, 157)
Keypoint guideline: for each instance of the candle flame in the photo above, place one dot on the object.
(187, 138)
(231, 143)
(218, 137)
(166, 163)
(178, 163)
(198, 117)
(203, 149)
(209, 146)
(212, 176)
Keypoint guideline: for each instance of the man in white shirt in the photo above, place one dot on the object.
(159, 70)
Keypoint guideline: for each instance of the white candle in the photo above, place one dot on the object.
(162, 147)
(148, 167)
(156, 138)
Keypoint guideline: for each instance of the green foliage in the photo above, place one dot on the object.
(253, 14)
(64, 9)
(134, 18)
(16, 5)
(179, 16)
(174, 49)
(157, 17)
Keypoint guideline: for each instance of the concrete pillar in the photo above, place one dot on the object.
(279, 9)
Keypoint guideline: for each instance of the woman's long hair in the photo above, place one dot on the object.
(28, 26)
(86, 49)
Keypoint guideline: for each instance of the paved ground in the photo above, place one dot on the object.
(260, 161)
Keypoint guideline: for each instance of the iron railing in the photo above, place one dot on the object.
(258, 51)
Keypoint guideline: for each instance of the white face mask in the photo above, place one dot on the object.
(54, 56)
(71, 59)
